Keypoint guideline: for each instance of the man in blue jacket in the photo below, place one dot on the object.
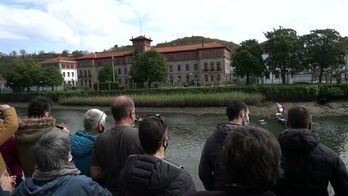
(82, 141)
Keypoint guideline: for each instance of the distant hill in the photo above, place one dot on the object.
(197, 40)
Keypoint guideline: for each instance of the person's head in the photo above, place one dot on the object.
(238, 111)
(153, 134)
(123, 109)
(52, 151)
(94, 120)
(39, 107)
(252, 158)
(299, 118)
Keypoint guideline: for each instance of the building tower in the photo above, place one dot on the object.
(141, 44)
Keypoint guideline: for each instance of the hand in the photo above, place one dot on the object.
(7, 182)
(4, 107)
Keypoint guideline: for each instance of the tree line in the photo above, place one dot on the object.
(321, 51)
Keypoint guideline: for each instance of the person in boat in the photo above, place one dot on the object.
(308, 165)
(252, 157)
(211, 168)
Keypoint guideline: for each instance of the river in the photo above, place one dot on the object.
(188, 132)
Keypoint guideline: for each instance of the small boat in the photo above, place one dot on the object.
(280, 115)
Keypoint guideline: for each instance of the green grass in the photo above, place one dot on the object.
(174, 100)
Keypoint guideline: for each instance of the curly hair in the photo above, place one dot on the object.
(38, 106)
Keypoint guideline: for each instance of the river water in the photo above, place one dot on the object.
(188, 132)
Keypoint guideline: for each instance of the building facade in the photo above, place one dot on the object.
(67, 67)
(203, 64)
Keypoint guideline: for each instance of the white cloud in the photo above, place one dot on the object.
(96, 25)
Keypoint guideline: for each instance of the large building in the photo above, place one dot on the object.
(67, 67)
(205, 63)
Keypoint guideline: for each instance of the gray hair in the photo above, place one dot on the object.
(92, 118)
(52, 150)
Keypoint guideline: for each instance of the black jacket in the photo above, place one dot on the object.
(233, 193)
(148, 175)
(309, 166)
(211, 166)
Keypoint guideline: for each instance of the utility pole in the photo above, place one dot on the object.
(113, 69)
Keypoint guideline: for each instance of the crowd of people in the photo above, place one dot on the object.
(40, 157)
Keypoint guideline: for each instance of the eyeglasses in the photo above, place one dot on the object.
(101, 117)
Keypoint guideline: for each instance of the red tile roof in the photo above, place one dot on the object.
(98, 55)
(58, 59)
(182, 48)
(141, 37)
(169, 49)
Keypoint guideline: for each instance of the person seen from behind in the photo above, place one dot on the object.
(150, 174)
(112, 148)
(38, 122)
(308, 165)
(252, 158)
(55, 174)
(82, 141)
(211, 167)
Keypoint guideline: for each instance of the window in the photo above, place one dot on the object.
(72, 74)
(211, 77)
(187, 78)
(218, 77)
(119, 71)
(187, 67)
(195, 66)
(218, 66)
(212, 68)
(170, 68)
(125, 71)
(63, 74)
(205, 66)
(267, 75)
(89, 73)
(276, 73)
(81, 83)
(90, 83)
(206, 78)
(68, 74)
(85, 73)
(179, 67)
(80, 73)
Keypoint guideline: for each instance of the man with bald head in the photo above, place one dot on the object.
(113, 147)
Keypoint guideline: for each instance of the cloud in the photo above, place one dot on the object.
(96, 25)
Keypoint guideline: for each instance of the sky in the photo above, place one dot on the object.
(95, 25)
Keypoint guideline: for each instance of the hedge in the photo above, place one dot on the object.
(291, 93)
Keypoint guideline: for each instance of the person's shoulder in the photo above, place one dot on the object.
(210, 193)
(325, 152)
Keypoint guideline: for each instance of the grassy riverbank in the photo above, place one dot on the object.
(174, 100)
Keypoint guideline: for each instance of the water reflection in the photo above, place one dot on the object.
(187, 133)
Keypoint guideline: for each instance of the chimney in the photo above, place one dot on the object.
(203, 42)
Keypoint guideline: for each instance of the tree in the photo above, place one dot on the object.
(248, 59)
(78, 53)
(324, 50)
(65, 53)
(105, 75)
(24, 75)
(149, 66)
(51, 76)
(283, 48)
